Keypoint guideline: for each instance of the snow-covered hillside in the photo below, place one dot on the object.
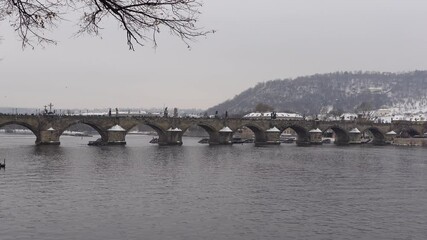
(341, 91)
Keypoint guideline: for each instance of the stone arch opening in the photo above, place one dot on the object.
(259, 137)
(408, 133)
(373, 135)
(171, 135)
(295, 133)
(82, 130)
(244, 134)
(138, 132)
(340, 135)
(21, 128)
(206, 132)
(158, 134)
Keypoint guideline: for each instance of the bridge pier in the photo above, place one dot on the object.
(388, 139)
(270, 137)
(116, 135)
(223, 137)
(315, 136)
(355, 136)
(172, 137)
(48, 137)
(273, 136)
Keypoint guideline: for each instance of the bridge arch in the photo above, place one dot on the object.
(341, 135)
(100, 131)
(258, 131)
(208, 128)
(377, 134)
(211, 131)
(406, 132)
(161, 133)
(303, 136)
(23, 124)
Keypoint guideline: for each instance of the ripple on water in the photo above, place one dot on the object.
(75, 191)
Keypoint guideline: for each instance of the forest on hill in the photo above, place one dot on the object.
(338, 91)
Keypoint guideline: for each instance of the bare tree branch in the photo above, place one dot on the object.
(141, 20)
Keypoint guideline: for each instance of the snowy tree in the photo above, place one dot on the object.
(141, 20)
(365, 109)
(262, 107)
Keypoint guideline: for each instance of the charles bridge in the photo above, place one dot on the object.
(113, 129)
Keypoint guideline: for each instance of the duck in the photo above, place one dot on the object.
(3, 165)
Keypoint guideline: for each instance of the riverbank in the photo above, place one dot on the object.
(410, 142)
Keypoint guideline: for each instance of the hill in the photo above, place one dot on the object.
(341, 91)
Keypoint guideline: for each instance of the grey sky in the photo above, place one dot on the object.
(255, 41)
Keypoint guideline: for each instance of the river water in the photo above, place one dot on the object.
(143, 191)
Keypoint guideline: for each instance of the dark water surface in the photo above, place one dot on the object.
(142, 191)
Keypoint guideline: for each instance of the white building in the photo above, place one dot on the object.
(279, 115)
(348, 116)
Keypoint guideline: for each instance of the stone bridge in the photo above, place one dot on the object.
(113, 130)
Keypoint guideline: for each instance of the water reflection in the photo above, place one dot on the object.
(168, 155)
(48, 163)
(214, 192)
(109, 157)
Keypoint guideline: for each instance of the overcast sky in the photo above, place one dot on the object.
(256, 41)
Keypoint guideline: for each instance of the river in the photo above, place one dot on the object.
(194, 191)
